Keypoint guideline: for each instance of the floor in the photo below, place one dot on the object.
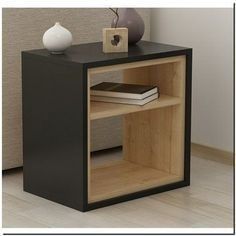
(208, 202)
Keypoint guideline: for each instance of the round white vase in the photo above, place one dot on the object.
(57, 39)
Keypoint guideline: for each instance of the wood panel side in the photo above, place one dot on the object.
(169, 77)
(134, 65)
(178, 121)
(136, 127)
(156, 138)
(171, 80)
(147, 138)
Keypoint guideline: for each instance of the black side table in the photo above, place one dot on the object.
(57, 113)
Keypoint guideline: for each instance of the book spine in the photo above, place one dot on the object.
(124, 100)
(122, 95)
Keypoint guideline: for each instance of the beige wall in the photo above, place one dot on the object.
(22, 30)
(210, 33)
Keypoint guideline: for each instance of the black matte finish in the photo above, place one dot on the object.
(188, 100)
(54, 130)
(91, 54)
(55, 119)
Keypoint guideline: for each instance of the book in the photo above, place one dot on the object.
(121, 90)
(125, 100)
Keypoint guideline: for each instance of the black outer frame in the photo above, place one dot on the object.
(48, 172)
(32, 64)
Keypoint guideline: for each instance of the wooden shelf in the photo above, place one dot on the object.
(99, 110)
(123, 177)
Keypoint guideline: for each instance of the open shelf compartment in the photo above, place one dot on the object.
(124, 177)
(153, 134)
(101, 110)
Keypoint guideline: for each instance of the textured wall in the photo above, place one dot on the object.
(22, 30)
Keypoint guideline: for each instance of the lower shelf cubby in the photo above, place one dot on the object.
(152, 155)
(124, 177)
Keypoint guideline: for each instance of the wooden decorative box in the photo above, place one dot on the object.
(115, 40)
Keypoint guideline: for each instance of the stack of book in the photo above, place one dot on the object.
(135, 94)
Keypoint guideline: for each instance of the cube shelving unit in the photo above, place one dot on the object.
(57, 113)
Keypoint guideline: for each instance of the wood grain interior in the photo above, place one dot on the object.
(155, 138)
(153, 134)
(147, 138)
(101, 110)
(125, 177)
(139, 64)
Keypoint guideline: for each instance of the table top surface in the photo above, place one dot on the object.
(91, 54)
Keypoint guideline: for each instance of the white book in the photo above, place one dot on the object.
(124, 100)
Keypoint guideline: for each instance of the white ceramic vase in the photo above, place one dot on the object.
(57, 39)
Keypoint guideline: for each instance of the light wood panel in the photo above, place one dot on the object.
(131, 65)
(101, 110)
(125, 177)
(171, 80)
(147, 138)
(156, 138)
(177, 141)
(170, 77)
